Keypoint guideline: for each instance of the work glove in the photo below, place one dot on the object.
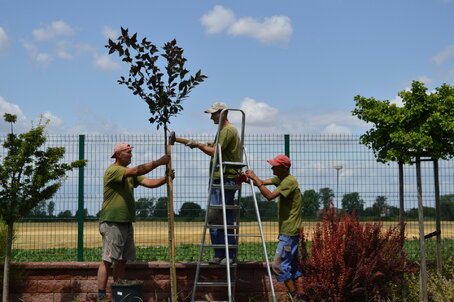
(192, 144)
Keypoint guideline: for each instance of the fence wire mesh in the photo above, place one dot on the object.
(337, 163)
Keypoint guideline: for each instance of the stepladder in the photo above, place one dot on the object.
(222, 219)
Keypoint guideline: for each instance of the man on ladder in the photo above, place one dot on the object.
(230, 143)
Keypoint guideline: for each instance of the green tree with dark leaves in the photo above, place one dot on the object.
(447, 207)
(311, 203)
(29, 175)
(191, 210)
(352, 201)
(380, 206)
(326, 197)
(267, 208)
(160, 209)
(145, 207)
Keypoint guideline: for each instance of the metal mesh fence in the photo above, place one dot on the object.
(338, 162)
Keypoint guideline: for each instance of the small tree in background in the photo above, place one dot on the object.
(351, 261)
(28, 175)
(352, 202)
(311, 203)
(326, 197)
(380, 206)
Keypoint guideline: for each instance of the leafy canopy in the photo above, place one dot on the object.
(163, 92)
(424, 126)
(29, 174)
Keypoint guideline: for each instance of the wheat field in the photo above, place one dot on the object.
(47, 235)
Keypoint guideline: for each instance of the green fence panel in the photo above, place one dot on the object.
(59, 230)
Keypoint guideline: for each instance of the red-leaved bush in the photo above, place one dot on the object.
(352, 261)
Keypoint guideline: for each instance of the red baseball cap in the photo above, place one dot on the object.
(121, 147)
(280, 160)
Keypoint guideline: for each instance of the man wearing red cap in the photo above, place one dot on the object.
(285, 264)
(118, 212)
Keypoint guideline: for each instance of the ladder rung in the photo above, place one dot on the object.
(227, 206)
(232, 163)
(240, 235)
(214, 284)
(221, 226)
(226, 187)
(220, 246)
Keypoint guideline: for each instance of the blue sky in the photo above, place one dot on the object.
(292, 66)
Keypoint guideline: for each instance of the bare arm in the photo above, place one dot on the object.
(261, 183)
(154, 183)
(208, 150)
(145, 168)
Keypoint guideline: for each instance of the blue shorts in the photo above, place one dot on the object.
(285, 264)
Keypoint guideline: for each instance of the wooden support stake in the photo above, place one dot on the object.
(173, 274)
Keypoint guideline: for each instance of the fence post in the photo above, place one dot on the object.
(287, 144)
(80, 207)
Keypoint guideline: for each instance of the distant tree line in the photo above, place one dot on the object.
(313, 205)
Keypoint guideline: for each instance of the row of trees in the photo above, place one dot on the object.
(313, 204)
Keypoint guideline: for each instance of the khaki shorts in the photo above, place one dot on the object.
(117, 241)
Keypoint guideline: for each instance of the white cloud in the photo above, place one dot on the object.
(105, 62)
(257, 113)
(217, 19)
(67, 50)
(444, 55)
(273, 29)
(55, 122)
(398, 101)
(6, 107)
(424, 79)
(110, 33)
(336, 129)
(4, 42)
(56, 28)
(262, 118)
(42, 59)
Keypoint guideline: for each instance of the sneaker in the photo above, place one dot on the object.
(224, 261)
(215, 260)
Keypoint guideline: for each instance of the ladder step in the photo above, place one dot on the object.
(234, 164)
(220, 246)
(240, 235)
(226, 187)
(221, 226)
(227, 206)
(214, 284)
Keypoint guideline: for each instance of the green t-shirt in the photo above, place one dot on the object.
(289, 205)
(230, 144)
(118, 204)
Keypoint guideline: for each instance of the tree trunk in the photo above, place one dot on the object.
(6, 265)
